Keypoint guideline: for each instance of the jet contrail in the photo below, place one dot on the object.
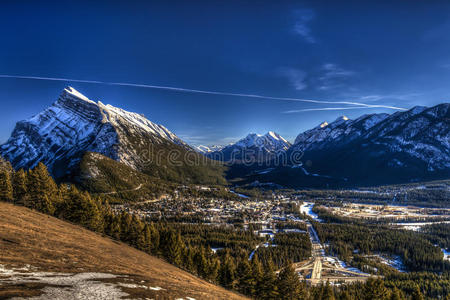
(323, 108)
(183, 90)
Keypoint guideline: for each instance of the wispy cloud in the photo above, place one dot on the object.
(296, 77)
(184, 90)
(378, 97)
(301, 27)
(333, 76)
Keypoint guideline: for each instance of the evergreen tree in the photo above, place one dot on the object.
(201, 262)
(245, 280)
(257, 270)
(269, 288)
(147, 247)
(417, 294)
(42, 189)
(80, 208)
(289, 283)
(125, 224)
(345, 295)
(154, 233)
(375, 289)
(173, 247)
(214, 269)
(188, 259)
(113, 227)
(136, 235)
(20, 187)
(227, 272)
(6, 189)
(328, 293)
(396, 294)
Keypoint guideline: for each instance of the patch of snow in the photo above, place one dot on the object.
(72, 286)
(446, 254)
(77, 94)
(323, 124)
(306, 208)
(240, 195)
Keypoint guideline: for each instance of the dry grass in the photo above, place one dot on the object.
(49, 244)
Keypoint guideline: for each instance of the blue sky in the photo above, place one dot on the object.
(382, 53)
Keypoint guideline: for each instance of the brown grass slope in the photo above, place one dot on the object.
(29, 237)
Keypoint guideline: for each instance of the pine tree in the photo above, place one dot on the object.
(154, 233)
(20, 187)
(90, 216)
(375, 289)
(173, 247)
(289, 283)
(227, 273)
(417, 294)
(257, 269)
(188, 259)
(80, 208)
(328, 293)
(201, 262)
(396, 294)
(6, 189)
(345, 295)
(269, 288)
(214, 269)
(147, 236)
(135, 235)
(113, 227)
(245, 280)
(125, 224)
(42, 189)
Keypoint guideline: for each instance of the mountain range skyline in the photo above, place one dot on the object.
(301, 50)
(75, 131)
(204, 147)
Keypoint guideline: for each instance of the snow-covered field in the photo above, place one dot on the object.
(417, 225)
(306, 208)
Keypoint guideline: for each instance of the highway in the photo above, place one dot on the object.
(320, 268)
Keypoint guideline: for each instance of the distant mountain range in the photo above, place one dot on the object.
(208, 149)
(254, 148)
(80, 138)
(405, 146)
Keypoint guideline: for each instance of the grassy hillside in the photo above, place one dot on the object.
(49, 244)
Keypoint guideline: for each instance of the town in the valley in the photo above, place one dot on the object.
(288, 212)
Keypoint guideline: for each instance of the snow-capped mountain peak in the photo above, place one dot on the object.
(323, 124)
(276, 136)
(70, 90)
(270, 141)
(75, 124)
(416, 140)
(253, 147)
(207, 149)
